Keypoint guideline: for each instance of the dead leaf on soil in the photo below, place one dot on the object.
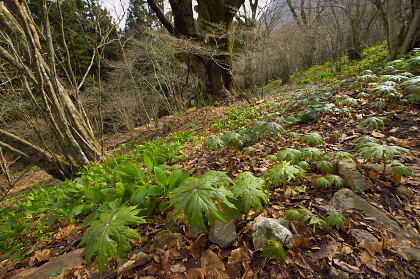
(378, 134)
(196, 273)
(213, 265)
(365, 257)
(178, 268)
(372, 247)
(299, 241)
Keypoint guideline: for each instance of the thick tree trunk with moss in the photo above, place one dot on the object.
(214, 30)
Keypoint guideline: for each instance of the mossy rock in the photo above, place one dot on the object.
(166, 238)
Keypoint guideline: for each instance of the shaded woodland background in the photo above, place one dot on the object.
(117, 79)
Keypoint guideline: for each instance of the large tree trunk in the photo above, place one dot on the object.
(397, 16)
(74, 142)
(212, 63)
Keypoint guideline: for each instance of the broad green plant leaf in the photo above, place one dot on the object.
(213, 143)
(108, 236)
(402, 170)
(335, 219)
(274, 249)
(336, 179)
(195, 198)
(285, 172)
(293, 214)
(324, 166)
(378, 151)
(372, 123)
(233, 139)
(289, 154)
(322, 182)
(313, 153)
(313, 139)
(249, 191)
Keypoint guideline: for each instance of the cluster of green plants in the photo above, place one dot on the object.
(243, 136)
(121, 192)
(234, 118)
(332, 219)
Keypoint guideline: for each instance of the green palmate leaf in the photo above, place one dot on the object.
(233, 139)
(372, 123)
(274, 249)
(248, 135)
(109, 235)
(249, 191)
(313, 139)
(365, 139)
(322, 182)
(313, 153)
(336, 179)
(413, 98)
(335, 219)
(289, 154)
(324, 166)
(314, 221)
(303, 164)
(271, 158)
(384, 90)
(378, 151)
(293, 214)
(195, 198)
(341, 155)
(402, 170)
(213, 143)
(216, 178)
(271, 129)
(285, 172)
(378, 104)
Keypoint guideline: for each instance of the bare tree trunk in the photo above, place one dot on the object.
(73, 137)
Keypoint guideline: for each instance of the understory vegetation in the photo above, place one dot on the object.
(109, 200)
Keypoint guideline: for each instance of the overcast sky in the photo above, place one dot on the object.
(118, 8)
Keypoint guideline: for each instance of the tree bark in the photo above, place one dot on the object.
(213, 63)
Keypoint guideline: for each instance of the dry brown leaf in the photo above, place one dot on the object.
(213, 265)
(299, 241)
(347, 250)
(239, 255)
(394, 130)
(378, 134)
(196, 273)
(178, 268)
(365, 257)
(372, 247)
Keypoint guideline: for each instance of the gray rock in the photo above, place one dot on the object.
(363, 234)
(224, 234)
(408, 239)
(411, 89)
(354, 179)
(379, 168)
(336, 273)
(66, 262)
(271, 229)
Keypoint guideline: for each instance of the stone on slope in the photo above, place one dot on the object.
(268, 228)
(408, 239)
(224, 234)
(66, 262)
(354, 179)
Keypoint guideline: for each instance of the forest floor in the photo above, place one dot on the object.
(313, 253)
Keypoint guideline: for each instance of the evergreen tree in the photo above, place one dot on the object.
(141, 17)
